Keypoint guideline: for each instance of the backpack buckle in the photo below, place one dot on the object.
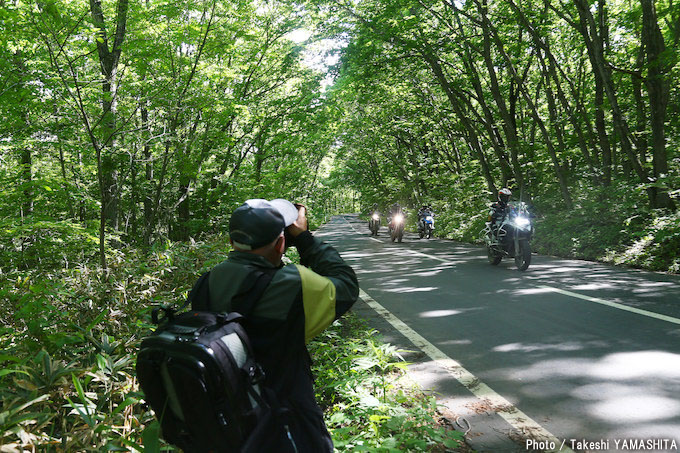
(169, 312)
(255, 374)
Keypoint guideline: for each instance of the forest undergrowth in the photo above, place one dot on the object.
(70, 334)
(611, 226)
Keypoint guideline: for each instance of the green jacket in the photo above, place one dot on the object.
(299, 303)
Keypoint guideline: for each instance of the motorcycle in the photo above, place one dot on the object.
(396, 227)
(426, 225)
(374, 224)
(512, 236)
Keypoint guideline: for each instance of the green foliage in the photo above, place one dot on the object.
(610, 226)
(71, 334)
(367, 406)
(655, 243)
(590, 229)
(33, 243)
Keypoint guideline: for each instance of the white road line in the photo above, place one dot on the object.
(350, 225)
(355, 230)
(638, 311)
(516, 418)
(443, 260)
(408, 251)
(596, 300)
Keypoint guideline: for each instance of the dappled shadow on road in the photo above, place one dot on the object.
(596, 373)
(638, 289)
(621, 395)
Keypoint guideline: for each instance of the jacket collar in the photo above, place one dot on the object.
(249, 258)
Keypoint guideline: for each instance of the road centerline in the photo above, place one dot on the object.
(608, 303)
(510, 413)
(414, 252)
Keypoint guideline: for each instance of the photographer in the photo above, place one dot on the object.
(299, 303)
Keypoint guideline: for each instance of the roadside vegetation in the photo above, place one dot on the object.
(572, 105)
(612, 226)
(70, 333)
(606, 227)
(368, 403)
(131, 130)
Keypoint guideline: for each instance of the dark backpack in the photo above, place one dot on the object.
(199, 376)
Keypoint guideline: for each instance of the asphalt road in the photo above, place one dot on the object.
(580, 368)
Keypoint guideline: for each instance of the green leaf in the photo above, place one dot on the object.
(128, 401)
(81, 393)
(338, 418)
(378, 418)
(151, 438)
(451, 443)
(5, 357)
(101, 362)
(6, 372)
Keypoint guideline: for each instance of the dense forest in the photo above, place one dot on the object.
(133, 122)
(131, 129)
(573, 105)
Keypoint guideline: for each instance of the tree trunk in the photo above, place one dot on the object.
(108, 61)
(640, 115)
(148, 170)
(507, 118)
(491, 32)
(550, 67)
(471, 132)
(27, 181)
(658, 87)
(599, 100)
(495, 138)
(25, 157)
(595, 47)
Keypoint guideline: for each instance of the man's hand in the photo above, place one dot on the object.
(300, 225)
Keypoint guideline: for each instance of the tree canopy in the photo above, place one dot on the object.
(137, 121)
(130, 130)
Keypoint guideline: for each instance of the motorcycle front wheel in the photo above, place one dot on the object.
(494, 257)
(401, 235)
(429, 233)
(523, 255)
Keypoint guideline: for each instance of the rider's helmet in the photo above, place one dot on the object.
(504, 195)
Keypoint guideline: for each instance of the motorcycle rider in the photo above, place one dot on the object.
(373, 213)
(424, 211)
(498, 211)
(394, 210)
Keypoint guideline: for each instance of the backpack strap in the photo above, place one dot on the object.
(245, 300)
(200, 291)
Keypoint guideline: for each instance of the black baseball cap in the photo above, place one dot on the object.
(257, 222)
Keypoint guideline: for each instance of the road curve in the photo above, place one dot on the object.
(589, 351)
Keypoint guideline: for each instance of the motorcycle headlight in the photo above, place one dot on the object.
(522, 222)
(376, 217)
(398, 218)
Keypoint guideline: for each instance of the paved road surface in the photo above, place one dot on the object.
(578, 367)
